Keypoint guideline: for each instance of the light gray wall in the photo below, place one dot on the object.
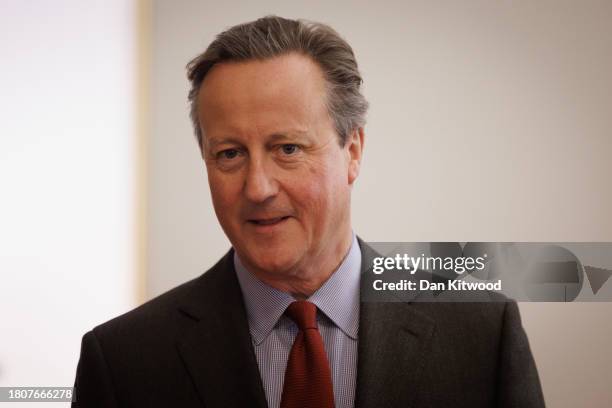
(488, 122)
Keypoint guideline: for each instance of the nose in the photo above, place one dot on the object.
(260, 183)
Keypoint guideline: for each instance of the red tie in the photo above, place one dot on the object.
(308, 382)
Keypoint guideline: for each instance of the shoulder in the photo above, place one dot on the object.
(155, 312)
(166, 314)
(484, 313)
(449, 311)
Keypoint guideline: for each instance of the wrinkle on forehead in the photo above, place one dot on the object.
(266, 97)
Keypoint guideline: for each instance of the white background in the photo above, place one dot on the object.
(66, 181)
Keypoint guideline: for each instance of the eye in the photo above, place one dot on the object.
(290, 149)
(228, 154)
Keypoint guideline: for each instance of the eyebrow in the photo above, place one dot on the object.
(210, 143)
(290, 134)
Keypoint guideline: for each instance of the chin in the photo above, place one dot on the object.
(273, 258)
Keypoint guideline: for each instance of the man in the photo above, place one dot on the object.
(278, 322)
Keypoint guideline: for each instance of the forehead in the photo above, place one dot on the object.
(288, 90)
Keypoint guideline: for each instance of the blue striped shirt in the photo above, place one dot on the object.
(273, 333)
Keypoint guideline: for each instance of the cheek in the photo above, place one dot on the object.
(223, 194)
(337, 194)
(318, 192)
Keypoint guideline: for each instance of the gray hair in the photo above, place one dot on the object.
(273, 36)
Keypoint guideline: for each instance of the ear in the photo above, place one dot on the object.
(354, 146)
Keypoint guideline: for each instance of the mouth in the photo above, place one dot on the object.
(268, 222)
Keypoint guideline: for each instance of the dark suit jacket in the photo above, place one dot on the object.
(191, 347)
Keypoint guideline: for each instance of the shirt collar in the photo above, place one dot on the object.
(337, 298)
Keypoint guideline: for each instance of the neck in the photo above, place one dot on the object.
(304, 279)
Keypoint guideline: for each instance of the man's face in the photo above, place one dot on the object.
(279, 179)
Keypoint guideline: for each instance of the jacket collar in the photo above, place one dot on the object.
(217, 349)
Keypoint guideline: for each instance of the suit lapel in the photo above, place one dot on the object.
(217, 349)
(394, 340)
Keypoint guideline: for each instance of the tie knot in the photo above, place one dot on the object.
(303, 313)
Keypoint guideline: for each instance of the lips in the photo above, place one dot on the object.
(268, 221)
